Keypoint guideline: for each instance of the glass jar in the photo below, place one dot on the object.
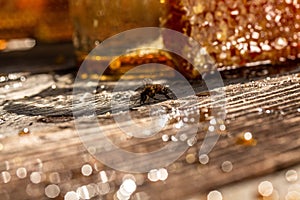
(96, 21)
(44, 20)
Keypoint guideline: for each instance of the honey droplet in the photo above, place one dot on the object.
(116, 64)
(215, 195)
(3, 44)
(246, 139)
(227, 166)
(24, 131)
(291, 176)
(199, 8)
(265, 188)
(190, 158)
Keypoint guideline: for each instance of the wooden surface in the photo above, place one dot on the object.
(266, 106)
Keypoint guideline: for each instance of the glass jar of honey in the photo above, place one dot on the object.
(43, 20)
(100, 20)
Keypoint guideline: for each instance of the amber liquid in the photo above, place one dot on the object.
(46, 20)
(239, 33)
(98, 21)
(116, 68)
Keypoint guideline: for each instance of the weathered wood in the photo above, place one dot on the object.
(267, 107)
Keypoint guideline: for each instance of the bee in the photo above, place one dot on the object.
(150, 90)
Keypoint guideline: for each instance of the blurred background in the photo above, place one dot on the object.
(44, 20)
(42, 24)
(258, 40)
(234, 33)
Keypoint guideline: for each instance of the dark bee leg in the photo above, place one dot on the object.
(147, 99)
(167, 96)
(144, 98)
(152, 95)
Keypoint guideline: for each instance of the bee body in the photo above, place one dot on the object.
(150, 90)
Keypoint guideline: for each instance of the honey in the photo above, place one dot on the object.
(45, 20)
(238, 33)
(112, 37)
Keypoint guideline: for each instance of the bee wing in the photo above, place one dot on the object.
(139, 88)
(170, 93)
(147, 81)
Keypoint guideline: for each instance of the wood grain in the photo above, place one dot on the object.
(266, 107)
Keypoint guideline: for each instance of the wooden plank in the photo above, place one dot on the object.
(268, 108)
